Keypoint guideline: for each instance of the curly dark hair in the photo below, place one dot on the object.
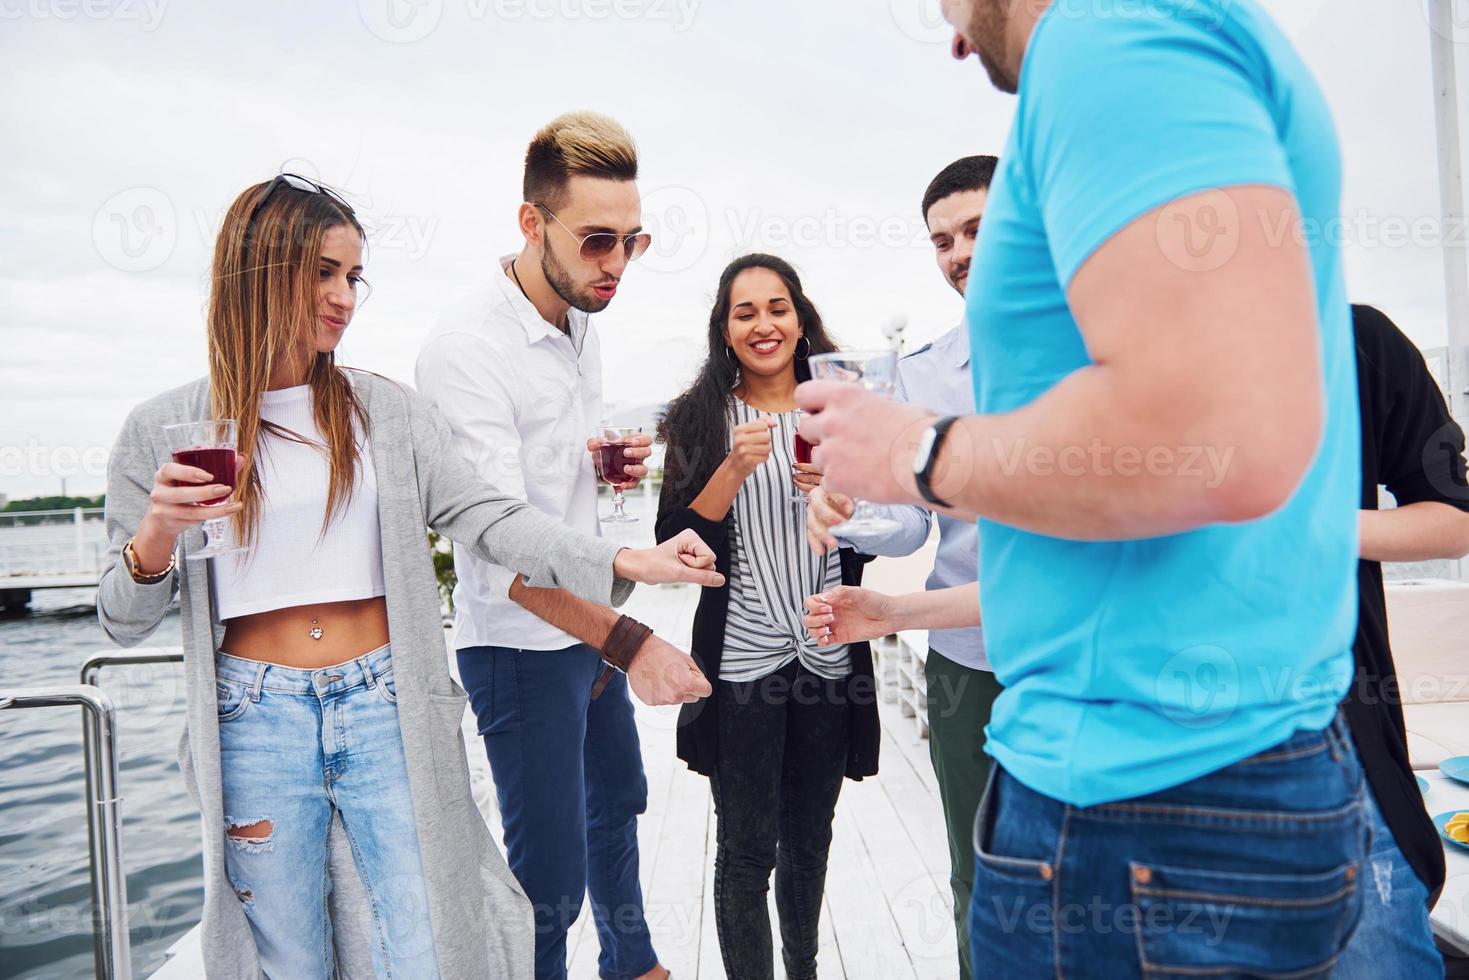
(695, 428)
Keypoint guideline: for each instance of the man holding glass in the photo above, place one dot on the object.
(961, 687)
(1166, 469)
(516, 370)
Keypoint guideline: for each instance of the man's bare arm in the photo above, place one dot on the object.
(1203, 402)
(1422, 531)
(659, 673)
(850, 614)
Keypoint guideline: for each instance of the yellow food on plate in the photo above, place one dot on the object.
(1458, 827)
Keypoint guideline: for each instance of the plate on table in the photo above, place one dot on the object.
(1441, 821)
(1422, 785)
(1456, 768)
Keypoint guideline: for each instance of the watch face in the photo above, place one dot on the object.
(925, 450)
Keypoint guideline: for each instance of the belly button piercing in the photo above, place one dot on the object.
(315, 630)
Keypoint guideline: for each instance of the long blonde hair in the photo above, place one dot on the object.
(263, 310)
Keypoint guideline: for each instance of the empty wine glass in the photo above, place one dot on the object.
(611, 466)
(877, 371)
(209, 445)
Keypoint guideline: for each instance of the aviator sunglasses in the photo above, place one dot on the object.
(600, 244)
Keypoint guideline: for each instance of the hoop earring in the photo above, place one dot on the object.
(799, 355)
(729, 355)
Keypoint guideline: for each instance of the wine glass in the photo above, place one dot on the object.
(801, 451)
(611, 466)
(877, 371)
(210, 446)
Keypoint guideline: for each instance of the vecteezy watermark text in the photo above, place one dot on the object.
(147, 13)
(1207, 463)
(408, 21)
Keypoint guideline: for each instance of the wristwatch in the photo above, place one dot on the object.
(136, 571)
(926, 459)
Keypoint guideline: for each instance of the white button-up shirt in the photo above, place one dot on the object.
(937, 377)
(522, 399)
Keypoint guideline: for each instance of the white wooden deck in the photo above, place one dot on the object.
(888, 908)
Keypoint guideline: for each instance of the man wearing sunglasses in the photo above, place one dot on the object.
(516, 370)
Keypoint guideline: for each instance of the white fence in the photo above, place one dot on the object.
(62, 543)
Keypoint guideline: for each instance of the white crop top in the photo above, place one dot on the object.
(292, 563)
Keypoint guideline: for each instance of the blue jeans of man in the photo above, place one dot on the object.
(295, 746)
(569, 776)
(1394, 940)
(1256, 869)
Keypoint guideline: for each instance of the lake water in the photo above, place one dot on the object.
(45, 888)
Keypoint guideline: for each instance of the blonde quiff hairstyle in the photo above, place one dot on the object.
(585, 144)
(263, 308)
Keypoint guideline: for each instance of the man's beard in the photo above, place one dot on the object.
(561, 282)
(986, 35)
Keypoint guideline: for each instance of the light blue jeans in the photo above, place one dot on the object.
(295, 747)
(1394, 940)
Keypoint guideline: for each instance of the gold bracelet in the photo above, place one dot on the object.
(135, 570)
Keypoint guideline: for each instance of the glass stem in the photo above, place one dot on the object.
(617, 513)
(216, 530)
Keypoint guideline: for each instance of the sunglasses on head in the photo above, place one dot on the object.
(299, 183)
(600, 244)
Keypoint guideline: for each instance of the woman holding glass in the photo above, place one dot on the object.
(788, 718)
(317, 684)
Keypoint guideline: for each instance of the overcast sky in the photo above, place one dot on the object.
(807, 129)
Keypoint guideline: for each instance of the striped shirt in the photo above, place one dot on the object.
(772, 569)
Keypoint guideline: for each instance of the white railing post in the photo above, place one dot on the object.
(1441, 36)
(80, 536)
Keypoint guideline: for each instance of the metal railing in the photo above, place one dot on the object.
(98, 830)
(34, 518)
(109, 885)
(111, 942)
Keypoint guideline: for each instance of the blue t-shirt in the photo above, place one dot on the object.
(1133, 666)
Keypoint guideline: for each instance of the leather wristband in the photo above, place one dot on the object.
(620, 647)
(622, 643)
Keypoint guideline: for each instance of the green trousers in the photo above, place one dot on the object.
(959, 703)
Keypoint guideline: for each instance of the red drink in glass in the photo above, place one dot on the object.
(803, 450)
(612, 464)
(218, 462)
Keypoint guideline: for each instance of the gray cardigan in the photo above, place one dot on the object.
(481, 918)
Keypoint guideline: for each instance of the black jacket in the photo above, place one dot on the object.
(1412, 446)
(698, 731)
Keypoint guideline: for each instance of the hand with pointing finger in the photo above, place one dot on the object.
(751, 445)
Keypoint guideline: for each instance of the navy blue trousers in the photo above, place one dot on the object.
(569, 776)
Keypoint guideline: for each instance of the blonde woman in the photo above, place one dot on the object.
(317, 681)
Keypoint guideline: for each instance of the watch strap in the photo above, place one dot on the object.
(924, 476)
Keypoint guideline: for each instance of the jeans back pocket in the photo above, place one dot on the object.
(1195, 923)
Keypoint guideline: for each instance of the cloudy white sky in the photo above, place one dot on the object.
(808, 129)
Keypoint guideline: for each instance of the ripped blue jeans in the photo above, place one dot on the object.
(295, 747)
